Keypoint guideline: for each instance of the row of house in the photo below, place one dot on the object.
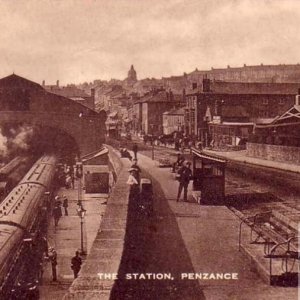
(222, 114)
(219, 114)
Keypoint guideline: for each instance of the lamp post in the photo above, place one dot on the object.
(152, 141)
(81, 212)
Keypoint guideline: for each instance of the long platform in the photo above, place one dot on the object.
(66, 239)
(210, 236)
(184, 237)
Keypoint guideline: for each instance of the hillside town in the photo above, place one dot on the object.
(223, 109)
(150, 150)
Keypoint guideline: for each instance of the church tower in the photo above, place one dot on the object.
(131, 75)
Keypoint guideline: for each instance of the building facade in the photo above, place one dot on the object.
(228, 102)
(173, 120)
(148, 111)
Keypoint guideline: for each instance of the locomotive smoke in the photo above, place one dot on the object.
(15, 141)
(3, 145)
(20, 138)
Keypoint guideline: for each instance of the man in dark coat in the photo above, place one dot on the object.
(56, 213)
(185, 175)
(65, 205)
(137, 170)
(135, 150)
(76, 262)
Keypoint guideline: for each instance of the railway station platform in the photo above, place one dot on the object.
(182, 238)
(209, 240)
(66, 239)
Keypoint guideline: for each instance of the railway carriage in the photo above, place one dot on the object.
(22, 213)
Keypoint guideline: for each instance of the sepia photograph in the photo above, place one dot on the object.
(149, 150)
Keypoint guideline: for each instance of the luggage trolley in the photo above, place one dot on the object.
(146, 196)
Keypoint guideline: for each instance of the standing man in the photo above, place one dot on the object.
(65, 205)
(135, 150)
(185, 175)
(53, 260)
(56, 213)
(76, 262)
(137, 170)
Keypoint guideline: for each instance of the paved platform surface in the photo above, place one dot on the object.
(66, 239)
(209, 237)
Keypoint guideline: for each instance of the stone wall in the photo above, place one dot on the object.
(284, 154)
(106, 252)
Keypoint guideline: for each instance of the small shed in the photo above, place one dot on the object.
(209, 177)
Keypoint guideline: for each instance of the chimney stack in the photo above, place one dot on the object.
(43, 84)
(57, 83)
(93, 98)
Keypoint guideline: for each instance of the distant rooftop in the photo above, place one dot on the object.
(222, 87)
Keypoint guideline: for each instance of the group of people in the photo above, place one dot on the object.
(125, 153)
(66, 175)
(76, 262)
(184, 176)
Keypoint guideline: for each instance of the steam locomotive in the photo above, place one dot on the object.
(23, 217)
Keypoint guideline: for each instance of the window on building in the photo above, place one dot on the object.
(265, 113)
(192, 117)
(281, 101)
(265, 101)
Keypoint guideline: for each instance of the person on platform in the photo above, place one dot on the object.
(133, 183)
(56, 213)
(185, 175)
(76, 263)
(73, 180)
(137, 170)
(53, 259)
(179, 162)
(135, 150)
(68, 182)
(65, 205)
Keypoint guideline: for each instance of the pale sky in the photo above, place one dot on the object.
(83, 40)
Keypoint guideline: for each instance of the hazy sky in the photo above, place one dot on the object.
(83, 40)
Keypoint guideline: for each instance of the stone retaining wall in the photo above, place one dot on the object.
(285, 154)
(107, 249)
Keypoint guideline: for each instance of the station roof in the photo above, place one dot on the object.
(14, 81)
(14, 84)
(289, 118)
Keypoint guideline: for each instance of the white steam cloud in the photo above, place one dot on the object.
(3, 145)
(15, 141)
